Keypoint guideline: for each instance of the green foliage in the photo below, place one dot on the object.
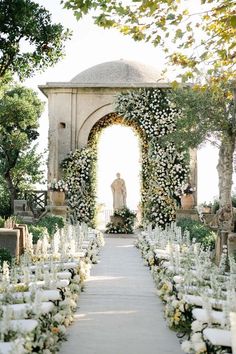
(37, 232)
(52, 223)
(207, 114)
(20, 164)
(5, 255)
(5, 201)
(209, 31)
(2, 222)
(203, 114)
(124, 227)
(26, 21)
(198, 231)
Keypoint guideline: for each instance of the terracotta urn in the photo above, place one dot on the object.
(57, 198)
(187, 201)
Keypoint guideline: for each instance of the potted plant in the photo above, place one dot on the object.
(187, 199)
(57, 189)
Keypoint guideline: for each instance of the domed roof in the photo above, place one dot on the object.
(118, 72)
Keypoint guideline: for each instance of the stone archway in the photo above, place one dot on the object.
(161, 164)
(91, 121)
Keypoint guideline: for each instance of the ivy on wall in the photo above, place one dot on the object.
(164, 167)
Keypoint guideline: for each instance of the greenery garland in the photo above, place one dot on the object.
(164, 167)
(79, 169)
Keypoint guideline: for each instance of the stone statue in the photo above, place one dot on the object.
(119, 192)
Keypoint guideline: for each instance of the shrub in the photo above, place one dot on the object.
(52, 223)
(37, 232)
(198, 231)
(2, 222)
(5, 202)
(5, 255)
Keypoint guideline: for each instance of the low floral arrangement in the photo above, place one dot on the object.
(58, 185)
(126, 226)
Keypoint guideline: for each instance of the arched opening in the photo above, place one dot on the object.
(118, 150)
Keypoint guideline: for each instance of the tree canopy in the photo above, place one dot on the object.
(206, 34)
(29, 41)
(20, 110)
(207, 113)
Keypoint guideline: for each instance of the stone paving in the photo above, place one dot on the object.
(119, 312)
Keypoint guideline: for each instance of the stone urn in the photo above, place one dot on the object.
(57, 198)
(187, 201)
(206, 209)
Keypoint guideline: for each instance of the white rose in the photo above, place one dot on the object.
(58, 318)
(196, 337)
(46, 351)
(196, 326)
(66, 322)
(62, 329)
(200, 347)
(186, 346)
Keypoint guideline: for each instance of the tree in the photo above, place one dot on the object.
(207, 113)
(20, 164)
(28, 40)
(206, 35)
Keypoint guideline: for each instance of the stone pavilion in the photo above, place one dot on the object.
(74, 107)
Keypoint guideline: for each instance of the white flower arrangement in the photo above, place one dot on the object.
(164, 167)
(58, 185)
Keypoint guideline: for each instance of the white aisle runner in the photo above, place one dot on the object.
(119, 312)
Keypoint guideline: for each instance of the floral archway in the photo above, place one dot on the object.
(164, 166)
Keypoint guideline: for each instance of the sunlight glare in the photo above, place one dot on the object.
(118, 151)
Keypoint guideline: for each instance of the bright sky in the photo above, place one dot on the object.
(92, 45)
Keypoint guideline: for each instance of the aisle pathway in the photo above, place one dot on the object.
(119, 312)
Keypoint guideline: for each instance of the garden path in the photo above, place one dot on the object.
(119, 312)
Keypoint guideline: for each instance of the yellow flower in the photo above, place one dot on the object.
(55, 330)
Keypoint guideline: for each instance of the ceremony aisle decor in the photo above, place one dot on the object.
(198, 296)
(38, 297)
(165, 167)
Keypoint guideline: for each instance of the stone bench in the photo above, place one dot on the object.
(13, 237)
(10, 239)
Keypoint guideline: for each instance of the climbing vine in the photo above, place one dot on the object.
(164, 166)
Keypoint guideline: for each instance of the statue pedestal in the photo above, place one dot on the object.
(117, 220)
(187, 214)
(58, 210)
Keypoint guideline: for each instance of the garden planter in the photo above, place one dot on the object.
(187, 201)
(57, 198)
